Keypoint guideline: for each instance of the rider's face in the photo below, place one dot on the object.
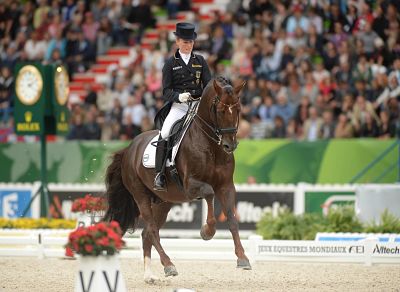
(185, 46)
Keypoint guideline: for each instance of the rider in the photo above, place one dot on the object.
(185, 75)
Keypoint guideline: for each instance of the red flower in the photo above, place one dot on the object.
(89, 204)
(95, 239)
(88, 247)
(69, 252)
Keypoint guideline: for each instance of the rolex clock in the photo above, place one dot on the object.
(61, 85)
(29, 85)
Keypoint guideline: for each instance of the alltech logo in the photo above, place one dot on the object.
(382, 250)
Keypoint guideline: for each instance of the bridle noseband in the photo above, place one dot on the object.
(217, 131)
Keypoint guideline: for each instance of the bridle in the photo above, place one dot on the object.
(214, 127)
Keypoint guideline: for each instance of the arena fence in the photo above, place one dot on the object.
(44, 244)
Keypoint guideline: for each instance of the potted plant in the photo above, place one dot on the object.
(89, 210)
(97, 246)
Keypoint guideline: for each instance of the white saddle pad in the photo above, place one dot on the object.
(149, 155)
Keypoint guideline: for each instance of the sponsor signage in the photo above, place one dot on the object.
(321, 201)
(14, 201)
(386, 249)
(181, 216)
(304, 248)
(184, 216)
(251, 206)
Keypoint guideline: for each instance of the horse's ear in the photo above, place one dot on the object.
(239, 88)
(217, 88)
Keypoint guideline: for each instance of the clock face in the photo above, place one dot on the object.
(29, 85)
(61, 85)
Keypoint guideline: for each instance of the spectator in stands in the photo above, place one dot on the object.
(312, 126)
(363, 111)
(387, 128)
(267, 110)
(279, 130)
(283, 109)
(6, 89)
(328, 125)
(128, 129)
(92, 128)
(332, 50)
(344, 128)
(35, 48)
(259, 128)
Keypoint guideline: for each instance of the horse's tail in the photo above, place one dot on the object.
(121, 205)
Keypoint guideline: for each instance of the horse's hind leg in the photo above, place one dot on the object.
(160, 212)
(208, 230)
(144, 205)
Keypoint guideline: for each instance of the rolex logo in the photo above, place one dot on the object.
(28, 116)
(62, 117)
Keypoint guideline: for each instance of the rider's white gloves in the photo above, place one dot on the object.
(184, 97)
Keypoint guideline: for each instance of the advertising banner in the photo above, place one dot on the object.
(278, 161)
(181, 216)
(251, 206)
(15, 199)
(321, 201)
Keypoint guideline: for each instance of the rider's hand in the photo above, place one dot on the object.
(184, 97)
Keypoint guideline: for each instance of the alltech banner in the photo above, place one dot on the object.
(252, 204)
(268, 161)
(181, 216)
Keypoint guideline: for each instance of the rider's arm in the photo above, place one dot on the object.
(168, 91)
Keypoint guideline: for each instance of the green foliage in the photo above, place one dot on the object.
(388, 224)
(343, 219)
(289, 226)
(304, 227)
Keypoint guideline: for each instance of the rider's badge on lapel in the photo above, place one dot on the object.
(198, 73)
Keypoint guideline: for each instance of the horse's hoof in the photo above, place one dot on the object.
(170, 271)
(243, 264)
(151, 279)
(204, 235)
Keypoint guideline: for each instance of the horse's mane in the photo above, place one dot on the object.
(223, 82)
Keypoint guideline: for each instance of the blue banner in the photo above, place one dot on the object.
(13, 202)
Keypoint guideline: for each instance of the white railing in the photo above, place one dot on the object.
(368, 251)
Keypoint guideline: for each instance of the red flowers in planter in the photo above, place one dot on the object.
(89, 204)
(100, 239)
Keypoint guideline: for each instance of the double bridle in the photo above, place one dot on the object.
(216, 130)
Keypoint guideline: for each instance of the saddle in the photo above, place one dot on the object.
(177, 132)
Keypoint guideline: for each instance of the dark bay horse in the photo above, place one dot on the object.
(205, 164)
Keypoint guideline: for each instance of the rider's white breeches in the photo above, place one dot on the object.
(178, 110)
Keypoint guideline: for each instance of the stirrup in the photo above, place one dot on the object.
(160, 182)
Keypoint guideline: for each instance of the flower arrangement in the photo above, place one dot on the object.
(89, 204)
(99, 239)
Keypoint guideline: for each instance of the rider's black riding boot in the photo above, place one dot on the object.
(160, 181)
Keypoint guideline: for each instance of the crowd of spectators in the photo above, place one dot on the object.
(314, 69)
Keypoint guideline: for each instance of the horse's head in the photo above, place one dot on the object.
(225, 113)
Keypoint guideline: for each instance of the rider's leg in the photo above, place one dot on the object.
(161, 153)
(178, 110)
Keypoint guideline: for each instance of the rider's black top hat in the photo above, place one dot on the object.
(185, 31)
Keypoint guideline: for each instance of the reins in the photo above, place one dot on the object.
(216, 130)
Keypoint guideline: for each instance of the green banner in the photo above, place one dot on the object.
(269, 161)
(316, 202)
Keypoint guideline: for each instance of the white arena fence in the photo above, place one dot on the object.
(49, 243)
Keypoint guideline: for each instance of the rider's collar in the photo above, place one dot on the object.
(177, 55)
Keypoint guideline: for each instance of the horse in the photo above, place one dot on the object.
(205, 164)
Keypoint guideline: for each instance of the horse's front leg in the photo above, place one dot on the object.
(227, 197)
(208, 230)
